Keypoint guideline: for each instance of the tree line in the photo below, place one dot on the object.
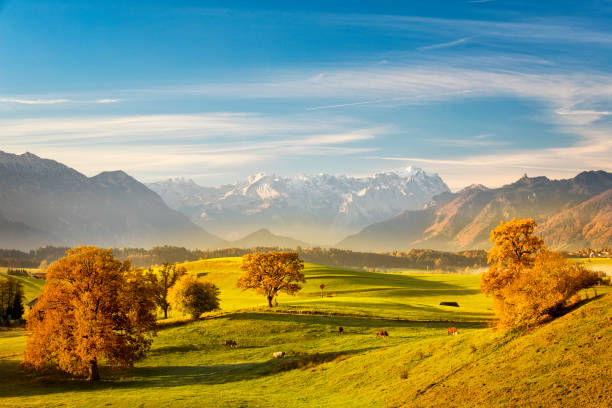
(140, 257)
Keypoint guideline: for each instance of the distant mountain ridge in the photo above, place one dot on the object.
(571, 213)
(319, 209)
(265, 238)
(45, 202)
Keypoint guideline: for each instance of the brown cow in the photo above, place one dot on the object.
(340, 330)
(452, 331)
(231, 343)
(382, 333)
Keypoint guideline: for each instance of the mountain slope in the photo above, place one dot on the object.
(319, 209)
(51, 203)
(588, 224)
(464, 220)
(264, 238)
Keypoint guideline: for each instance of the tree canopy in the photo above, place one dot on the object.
(192, 296)
(515, 247)
(529, 284)
(272, 272)
(93, 307)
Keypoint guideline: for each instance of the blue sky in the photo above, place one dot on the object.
(477, 91)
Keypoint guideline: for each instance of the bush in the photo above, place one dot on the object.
(193, 297)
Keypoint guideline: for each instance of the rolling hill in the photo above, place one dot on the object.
(562, 363)
(463, 220)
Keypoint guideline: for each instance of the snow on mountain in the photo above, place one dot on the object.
(318, 208)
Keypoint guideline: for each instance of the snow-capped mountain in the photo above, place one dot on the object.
(320, 208)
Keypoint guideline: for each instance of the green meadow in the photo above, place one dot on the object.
(559, 364)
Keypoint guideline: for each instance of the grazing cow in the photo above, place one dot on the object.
(340, 330)
(382, 333)
(231, 343)
(452, 331)
(279, 354)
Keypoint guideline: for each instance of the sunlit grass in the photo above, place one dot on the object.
(418, 365)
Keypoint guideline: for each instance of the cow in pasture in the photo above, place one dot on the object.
(452, 331)
(340, 330)
(231, 343)
(382, 333)
(279, 354)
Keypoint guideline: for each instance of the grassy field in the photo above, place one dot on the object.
(390, 295)
(561, 364)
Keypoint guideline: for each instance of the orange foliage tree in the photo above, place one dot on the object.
(515, 248)
(540, 293)
(93, 307)
(192, 296)
(272, 272)
(529, 284)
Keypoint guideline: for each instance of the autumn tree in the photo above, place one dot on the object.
(322, 287)
(93, 307)
(192, 296)
(515, 247)
(541, 292)
(529, 284)
(162, 281)
(272, 272)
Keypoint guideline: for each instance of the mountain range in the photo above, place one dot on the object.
(45, 202)
(322, 208)
(570, 213)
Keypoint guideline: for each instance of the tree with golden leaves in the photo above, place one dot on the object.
(93, 308)
(272, 272)
(192, 296)
(540, 293)
(529, 284)
(515, 247)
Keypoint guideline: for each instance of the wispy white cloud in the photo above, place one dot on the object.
(182, 144)
(592, 151)
(51, 101)
(445, 45)
(24, 101)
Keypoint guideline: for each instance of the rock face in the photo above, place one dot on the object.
(319, 209)
(571, 213)
(45, 202)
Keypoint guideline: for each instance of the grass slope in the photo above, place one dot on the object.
(387, 295)
(564, 363)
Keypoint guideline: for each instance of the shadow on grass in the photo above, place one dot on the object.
(407, 292)
(349, 321)
(160, 376)
(397, 281)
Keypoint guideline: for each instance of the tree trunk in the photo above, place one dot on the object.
(270, 301)
(165, 311)
(94, 374)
